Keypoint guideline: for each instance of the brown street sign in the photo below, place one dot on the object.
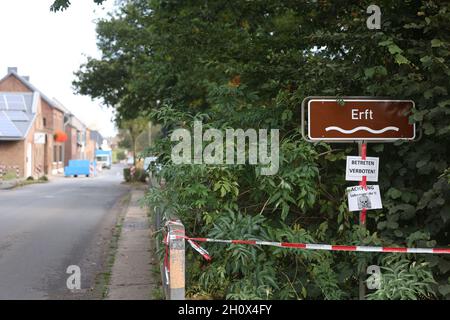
(359, 119)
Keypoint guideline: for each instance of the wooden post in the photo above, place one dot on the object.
(176, 262)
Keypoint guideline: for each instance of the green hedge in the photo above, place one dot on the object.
(140, 175)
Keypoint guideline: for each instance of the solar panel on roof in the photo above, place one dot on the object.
(2, 102)
(13, 98)
(17, 115)
(22, 126)
(15, 102)
(16, 106)
(7, 128)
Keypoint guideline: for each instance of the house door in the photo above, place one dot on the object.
(29, 160)
(46, 147)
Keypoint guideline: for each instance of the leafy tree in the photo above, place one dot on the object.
(402, 280)
(245, 64)
(134, 128)
(124, 139)
(60, 5)
(121, 155)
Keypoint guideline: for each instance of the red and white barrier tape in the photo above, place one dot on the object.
(171, 235)
(303, 246)
(166, 259)
(328, 247)
(199, 249)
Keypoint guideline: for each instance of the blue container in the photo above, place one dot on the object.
(77, 168)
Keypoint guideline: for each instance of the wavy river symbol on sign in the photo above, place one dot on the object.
(361, 128)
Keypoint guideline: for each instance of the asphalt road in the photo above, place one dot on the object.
(44, 228)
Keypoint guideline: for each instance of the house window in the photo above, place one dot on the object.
(79, 137)
(44, 122)
(57, 153)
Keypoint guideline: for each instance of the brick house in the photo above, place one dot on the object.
(91, 144)
(96, 138)
(81, 141)
(29, 125)
(75, 145)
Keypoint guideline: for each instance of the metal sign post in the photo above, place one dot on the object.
(362, 152)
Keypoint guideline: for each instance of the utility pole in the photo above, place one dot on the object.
(149, 133)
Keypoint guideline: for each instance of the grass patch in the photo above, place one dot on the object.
(103, 279)
(135, 184)
(10, 175)
(111, 258)
(157, 292)
(31, 180)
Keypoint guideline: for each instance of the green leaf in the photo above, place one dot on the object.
(392, 225)
(428, 128)
(394, 49)
(369, 72)
(398, 233)
(426, 61)
(400, 59)
(304, 292)
(444, 103)
(385, 43)
(444, 289)
(436, 43)
(421, 163)
(428, 94)
(378, 147)
(382, 225)
(394, 193)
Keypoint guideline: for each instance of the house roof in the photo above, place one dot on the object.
(76, 123)
(97, 137)
(17, 114)
(28, 84)
(60, 106)
(70, 119)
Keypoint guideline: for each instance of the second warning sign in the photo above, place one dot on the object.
(364, 198)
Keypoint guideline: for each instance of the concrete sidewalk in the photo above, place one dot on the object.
(131, 277)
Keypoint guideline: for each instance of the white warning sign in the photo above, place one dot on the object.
(39, 137)
(357, 168)
(359, 198)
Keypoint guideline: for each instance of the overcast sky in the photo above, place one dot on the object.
(50, 46)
